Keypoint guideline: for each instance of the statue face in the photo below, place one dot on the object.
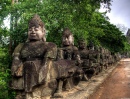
(35, 33)
(67, 40)
(91, 48)
(82, 45)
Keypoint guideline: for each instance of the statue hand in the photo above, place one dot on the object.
(79, 62)
(19, 71)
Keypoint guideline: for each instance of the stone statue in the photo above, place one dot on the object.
(104, 57)
(93, 60)
(70, 51)
(37, 72)
(68, 54)
(84, 54)
(30, 61)
(98, 59)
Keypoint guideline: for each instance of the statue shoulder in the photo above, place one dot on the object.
(51, 45)
(75, 48)
(18, 49)
(51, 50)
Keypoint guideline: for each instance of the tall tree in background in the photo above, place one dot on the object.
(57, 14)
(113, 39)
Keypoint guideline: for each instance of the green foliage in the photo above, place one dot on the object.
(113, 38)
(57, 14)
(5, 92)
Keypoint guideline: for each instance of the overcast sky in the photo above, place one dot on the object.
(120, 12)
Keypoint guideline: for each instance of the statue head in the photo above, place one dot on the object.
(67, 37)
(82, 44)
(36, 29)
(91, 46)
(97, 48)
(101, 49)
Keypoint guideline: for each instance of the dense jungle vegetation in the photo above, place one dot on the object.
(81, 16)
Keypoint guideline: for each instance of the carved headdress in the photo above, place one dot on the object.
(67, 33)
(36, 21)
(81, 40)
(82, 43)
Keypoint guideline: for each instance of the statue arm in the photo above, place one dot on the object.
(77, 56)
(49, 56)
(60, 54)
(51, 52)
(16, 69)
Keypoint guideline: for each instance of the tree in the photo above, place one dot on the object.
(58, 14)
(113, 39)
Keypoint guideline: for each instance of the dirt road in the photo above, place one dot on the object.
(117, 85)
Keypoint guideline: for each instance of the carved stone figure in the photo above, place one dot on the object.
(84, 54)
(98, 59)
(105, 57)
(37, 73)
(102, 58)
(94, 62)
(31, 60)
(68, 54)
(70, 51)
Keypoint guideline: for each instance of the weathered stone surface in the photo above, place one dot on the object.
(32, 64)
(38, 72)
(85, 89)
(68, 60)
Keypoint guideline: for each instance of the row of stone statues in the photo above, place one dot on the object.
(40, 69)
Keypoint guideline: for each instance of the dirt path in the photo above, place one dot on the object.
(117, 85)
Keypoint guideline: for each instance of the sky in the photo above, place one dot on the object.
(120, 12)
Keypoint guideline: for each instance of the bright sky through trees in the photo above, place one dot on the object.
(119, 12)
